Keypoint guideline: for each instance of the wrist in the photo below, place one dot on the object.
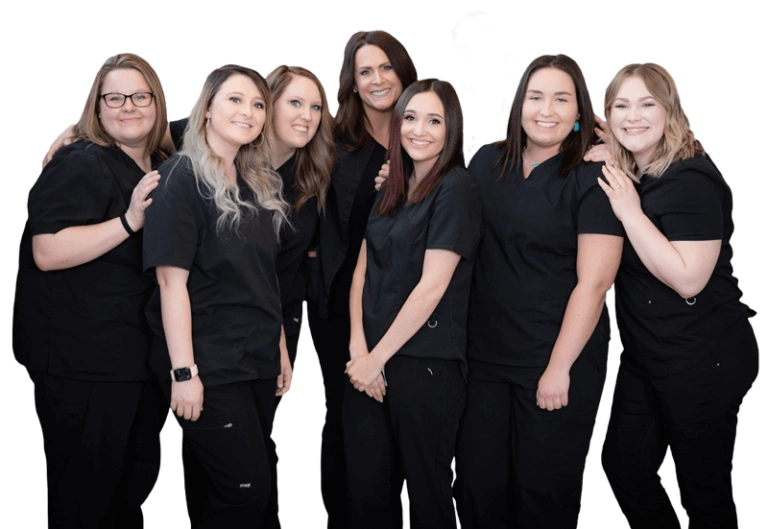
(127, 224)
(182, 374)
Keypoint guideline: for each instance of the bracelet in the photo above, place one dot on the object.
(126, 225)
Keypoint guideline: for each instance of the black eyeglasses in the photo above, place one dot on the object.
(139, 99)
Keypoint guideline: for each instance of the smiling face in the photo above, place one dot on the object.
(297, 114)
(549, 112)
(375, 80)
(422, 133)
(637, 120)
(236, 113)
(128, 125)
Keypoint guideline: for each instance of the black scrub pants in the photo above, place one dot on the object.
(412, 435)
(694, 413)
(227, 475)
(516, 464)
(102, 449)
(331, 339)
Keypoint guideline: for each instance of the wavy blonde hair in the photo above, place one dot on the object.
(89, 127)
(314, 161)
(252, 160)
(678, 141)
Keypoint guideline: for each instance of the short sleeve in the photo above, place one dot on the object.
(178, 129)
(175, 222)
(691, 207)
(74, 189)
(594, 213)
(455, 222)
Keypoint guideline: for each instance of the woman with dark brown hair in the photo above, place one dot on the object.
(375, 71)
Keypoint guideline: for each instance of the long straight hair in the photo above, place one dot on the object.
(575, 145)
(350, 117)
(252, 160)
(89, 127)
(314, 161)
(678, 141)
(396, 188)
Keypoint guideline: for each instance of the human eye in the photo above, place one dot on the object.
(649, 104)
(409, 118)
(364, 72)
(295, 103)
(619, 105)
(434, 121)
(386, 67)
(115, 98)
(258, 104)
(140, 96)
(317, 107)
(234, 99)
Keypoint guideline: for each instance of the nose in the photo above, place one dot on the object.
(246, 109)
(419, 128)
(633, 114)
(546, 108)
(305, 112)
(376, 76)
(128, 106)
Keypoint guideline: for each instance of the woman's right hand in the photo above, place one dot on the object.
(139, 201)
(64, 139)
(382, 176)
(187, 398)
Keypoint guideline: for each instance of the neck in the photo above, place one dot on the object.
(138, 156)
(377, 125)
(283, 153)
(420, 169)
(535, 155)
(227, 152)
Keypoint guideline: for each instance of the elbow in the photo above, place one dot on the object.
(43, 257)
(688, 291)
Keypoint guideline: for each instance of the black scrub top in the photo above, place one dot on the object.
(85, 322)
(663, 333)
(447, 219)
(232, 283)
(295, 239)
(525, 268)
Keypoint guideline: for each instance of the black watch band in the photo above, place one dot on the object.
(183, 374)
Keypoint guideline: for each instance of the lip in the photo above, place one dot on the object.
(242, 124)
(419, 144)
(300, 128)
(380, 93)
(546, 124)
(635, 131)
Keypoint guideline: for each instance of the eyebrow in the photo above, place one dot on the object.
(641, 99)
(434, 114)
(562, 93)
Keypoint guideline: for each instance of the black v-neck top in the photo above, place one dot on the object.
(525, 268)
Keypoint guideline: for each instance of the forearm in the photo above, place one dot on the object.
(177, 323)
(421, 303)
(76, 245)
(581, 316)
(685, 272)
(357, 343)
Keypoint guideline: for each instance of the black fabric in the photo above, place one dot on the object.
(227, 476)
(232, 283)
(525, 268)
(412, 435)
(178, 129)
(661, 332)
(331, 340)
(295, 240)
(694, 413)
(516, 464)
(102, 449)
(365, 196)
(447, 219)
(85, 322)
(351, 181)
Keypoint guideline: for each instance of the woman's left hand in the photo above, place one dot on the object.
(286, 373)
(621, 192)
(552, 393)
(363, 371)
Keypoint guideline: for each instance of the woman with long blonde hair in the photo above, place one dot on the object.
(212, 241)
(690, 354)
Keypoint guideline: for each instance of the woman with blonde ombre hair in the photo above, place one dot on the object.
(212, 241)
(690, 354)
(79, 325)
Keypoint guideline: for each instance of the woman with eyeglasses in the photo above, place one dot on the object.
(79, 325)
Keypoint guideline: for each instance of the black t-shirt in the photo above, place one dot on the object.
(365, 196)
(447, 219)
(85, 322)
(525, 269)
(294, 243)
(232, 282)
(663, 333)
(295, 239)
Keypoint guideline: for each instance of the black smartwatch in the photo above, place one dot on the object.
(184, 373)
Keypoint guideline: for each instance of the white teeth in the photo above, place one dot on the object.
(546, 124)
(300, 128)
(636, 130)
(420, 143)
(380, 92)
(241, 124)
